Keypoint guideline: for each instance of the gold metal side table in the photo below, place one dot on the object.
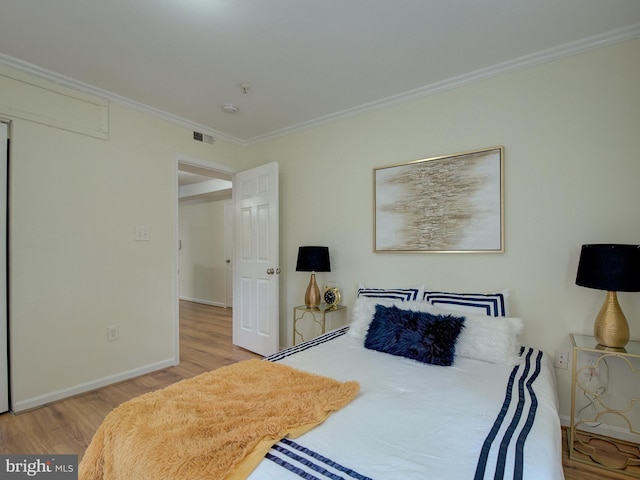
(616, 404)
(318, 318)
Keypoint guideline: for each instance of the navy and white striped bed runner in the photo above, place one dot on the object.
(505, 441)
(287, 352)
(309, 464)
(296, 458)
(501, 456)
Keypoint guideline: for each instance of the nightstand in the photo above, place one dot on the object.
(317, 317)
(605, 389)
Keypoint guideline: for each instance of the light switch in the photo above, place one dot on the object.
(142, 234)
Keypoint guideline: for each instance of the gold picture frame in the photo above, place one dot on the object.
(447, 204)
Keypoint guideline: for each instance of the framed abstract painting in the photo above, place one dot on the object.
(449, 204)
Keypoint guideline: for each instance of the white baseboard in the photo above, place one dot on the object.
(205, 302)
(41, 400)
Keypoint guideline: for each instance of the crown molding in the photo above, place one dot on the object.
(544, 56)
(549, 55)
(69, 82)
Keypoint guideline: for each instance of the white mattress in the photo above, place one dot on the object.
(472, 420)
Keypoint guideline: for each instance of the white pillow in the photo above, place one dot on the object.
(363, 311)
(486, 338)
(490, 339)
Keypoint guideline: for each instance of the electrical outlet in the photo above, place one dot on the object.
(590, 360)
(112, 333)
(562, 360)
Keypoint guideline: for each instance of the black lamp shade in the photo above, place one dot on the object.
(611, 267)
(313, 259)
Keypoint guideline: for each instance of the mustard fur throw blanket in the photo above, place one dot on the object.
(218, 425)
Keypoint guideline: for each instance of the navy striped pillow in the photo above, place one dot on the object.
(491, 304)
(405, 294)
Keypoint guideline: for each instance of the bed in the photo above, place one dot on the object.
(485, 408)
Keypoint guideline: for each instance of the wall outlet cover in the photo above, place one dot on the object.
(562, 360)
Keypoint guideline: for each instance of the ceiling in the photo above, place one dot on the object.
(306, 61)
(199, 183)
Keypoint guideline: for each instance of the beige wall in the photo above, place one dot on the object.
(570, 131)
(202, 256)
(74, 266)
(572, 165)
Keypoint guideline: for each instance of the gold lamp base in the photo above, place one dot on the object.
(312, 295)
(611, 328)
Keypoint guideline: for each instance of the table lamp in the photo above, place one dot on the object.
(614, 268)
(313, 259)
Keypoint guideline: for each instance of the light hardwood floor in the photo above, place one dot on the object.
(67, 426)
(205, 343)
(574, 470)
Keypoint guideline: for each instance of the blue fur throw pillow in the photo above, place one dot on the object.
(421, 336)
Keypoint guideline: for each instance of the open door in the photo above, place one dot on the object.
(256, 263)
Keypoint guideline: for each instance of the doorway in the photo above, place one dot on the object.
(203, 189)
(255, 253)
(204, 253)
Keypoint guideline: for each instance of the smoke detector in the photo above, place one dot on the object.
(229, 108)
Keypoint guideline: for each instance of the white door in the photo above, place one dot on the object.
(228, 253)
(255, 259)
(4, 360)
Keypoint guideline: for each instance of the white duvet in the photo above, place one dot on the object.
(418, 421)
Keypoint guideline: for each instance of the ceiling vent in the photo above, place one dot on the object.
(203, 138)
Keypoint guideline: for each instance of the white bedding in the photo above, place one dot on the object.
(417, 421)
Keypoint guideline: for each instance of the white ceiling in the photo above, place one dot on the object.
(199, 183)
(308, 61)
(188, 178)
(194, 186)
